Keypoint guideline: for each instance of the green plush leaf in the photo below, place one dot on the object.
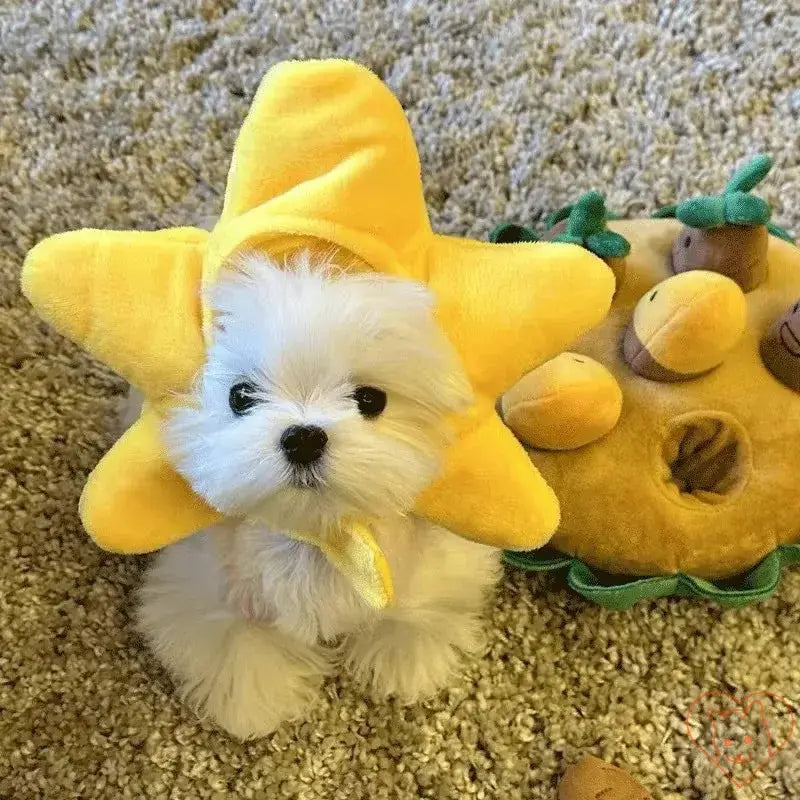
(510, 232)
(690, 586)
(789, 555)
(734, 207)
(569, 238)
(547, 559)
(588, 215)
(621, 592)
(750, 175)
(781, 233)
(564, 212)
(742, 208)
(665, 212)
(706, 211)
(557, 216)
(618, 597)
(608, 244)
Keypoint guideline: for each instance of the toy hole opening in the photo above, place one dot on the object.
(510, 233)
(707, 457)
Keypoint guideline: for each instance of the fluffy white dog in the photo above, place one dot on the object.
(324, 396)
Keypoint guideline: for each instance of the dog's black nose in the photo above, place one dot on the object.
(304, 444)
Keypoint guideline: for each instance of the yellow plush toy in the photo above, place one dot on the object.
(677, 470)
(325, 159)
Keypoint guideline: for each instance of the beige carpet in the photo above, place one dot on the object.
(122, 114)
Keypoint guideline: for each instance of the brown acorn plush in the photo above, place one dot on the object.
(737, 251)
(780, 348)
(727, 233)
(593, 779)
(685, 326)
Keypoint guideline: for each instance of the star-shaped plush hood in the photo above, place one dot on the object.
(327, 157)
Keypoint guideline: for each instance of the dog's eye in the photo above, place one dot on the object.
(242, 397)
(370, 401)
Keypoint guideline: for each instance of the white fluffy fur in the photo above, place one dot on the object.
(249, 620)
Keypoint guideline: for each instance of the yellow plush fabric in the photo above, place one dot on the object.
(566, 403)
(325, 158)
(352, 549)
(699, 476)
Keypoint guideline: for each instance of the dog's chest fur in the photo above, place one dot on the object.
(288, 583)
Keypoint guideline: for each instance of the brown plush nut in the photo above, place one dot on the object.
(593, 779)
(564, 404)
(736, 251)
(685, 326)
(780, 348)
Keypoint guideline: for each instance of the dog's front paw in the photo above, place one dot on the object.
(411, 659)
(258, 680)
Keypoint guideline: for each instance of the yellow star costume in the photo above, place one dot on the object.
(325, 158)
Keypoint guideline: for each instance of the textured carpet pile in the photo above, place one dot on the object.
(123, 114)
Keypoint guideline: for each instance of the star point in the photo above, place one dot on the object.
(325, 157)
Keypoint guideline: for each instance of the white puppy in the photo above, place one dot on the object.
(324, 396)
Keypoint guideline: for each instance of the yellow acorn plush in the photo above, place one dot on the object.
(325, 161)
(566, 403)
(685, 326)
(693, 490)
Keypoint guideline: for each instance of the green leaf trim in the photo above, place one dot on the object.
(665, 212)
(746, 178)
(781, 233)
(735, 206)
(706, 211)
(608, 244)
(618, 592)
(746, 209)
(510, 232)
(587, 216)
(557, 216)
(562, 213)
(586, 226)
